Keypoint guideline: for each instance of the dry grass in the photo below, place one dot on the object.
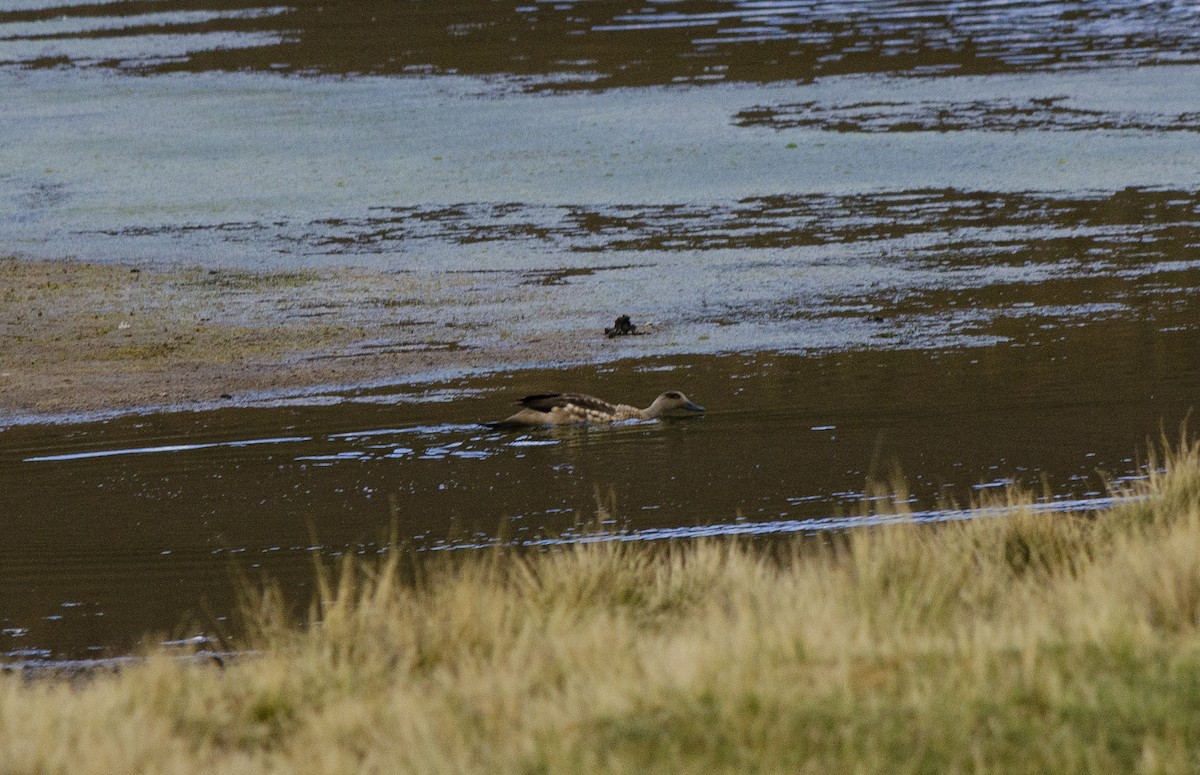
(1029, 642)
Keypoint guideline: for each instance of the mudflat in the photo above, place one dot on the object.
(79, 337)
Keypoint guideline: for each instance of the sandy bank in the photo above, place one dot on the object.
(82, 337)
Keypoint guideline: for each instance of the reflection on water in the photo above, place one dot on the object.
(120, 34)
(118, 528)
(602, 42)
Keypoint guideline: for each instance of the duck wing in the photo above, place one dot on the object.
(544, 402)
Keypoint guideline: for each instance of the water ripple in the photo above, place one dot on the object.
(570, 43)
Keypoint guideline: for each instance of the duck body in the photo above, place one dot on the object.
(575, 408)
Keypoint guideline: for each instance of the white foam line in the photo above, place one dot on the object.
(426, 429)
(653, 25)
(815, 524)
(165, 448)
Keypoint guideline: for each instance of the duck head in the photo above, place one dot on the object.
(672, 401)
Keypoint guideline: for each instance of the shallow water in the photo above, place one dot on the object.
(964, 242)
(455, 174)
(120, 527)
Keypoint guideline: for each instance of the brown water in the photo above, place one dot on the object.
(601, 42)
(119, 527)
(962, 242)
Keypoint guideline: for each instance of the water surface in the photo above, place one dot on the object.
(600, 43)
(957, 239)
(135, 524)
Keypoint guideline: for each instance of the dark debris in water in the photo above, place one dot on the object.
(999, 115)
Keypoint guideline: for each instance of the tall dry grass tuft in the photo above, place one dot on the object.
(1015, 641)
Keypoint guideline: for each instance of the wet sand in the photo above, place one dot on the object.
(80, 338)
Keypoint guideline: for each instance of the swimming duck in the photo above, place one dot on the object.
(571, 408)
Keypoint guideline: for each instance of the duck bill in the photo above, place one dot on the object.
(693, 407)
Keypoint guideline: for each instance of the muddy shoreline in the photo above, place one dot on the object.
(80, 338)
